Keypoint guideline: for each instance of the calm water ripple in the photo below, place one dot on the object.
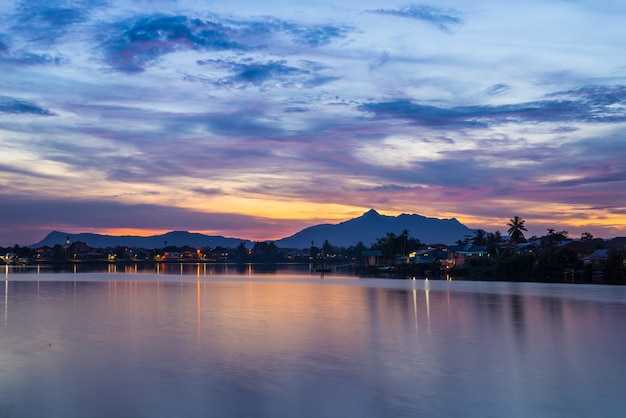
(286, 345)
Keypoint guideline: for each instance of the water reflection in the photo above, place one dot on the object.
(269, 348)
(175, 268)
(6, 302)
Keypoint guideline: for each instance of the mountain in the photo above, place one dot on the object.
(372, 225)
(366, 228)
(176, 238)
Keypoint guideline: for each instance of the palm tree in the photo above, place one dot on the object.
(516, 226)
(480, 237)
(494, 239)
(553, 238)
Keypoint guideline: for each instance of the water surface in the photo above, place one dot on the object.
(285, 345)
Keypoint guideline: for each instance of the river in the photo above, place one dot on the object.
(286, 344)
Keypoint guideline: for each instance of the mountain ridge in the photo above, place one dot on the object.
(366, 228)
(370, 226)
(174, 238)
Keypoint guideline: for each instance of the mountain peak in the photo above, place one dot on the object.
(371, 212)
(372, 225)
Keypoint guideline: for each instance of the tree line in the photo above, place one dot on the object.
(546, 260)
(507, 257)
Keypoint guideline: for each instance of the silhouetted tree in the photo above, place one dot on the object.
(23, 252)
(553, 238)
(553, 262)
(58, 253)
(327, 249)
(386, 245)
(265, 252)
(466, 240)
(517, 267)
(314, 251)
(586, 236)
(241, 253)
(516, 226)
(615, 270)
(392, 244)
(355, 251)
(494, 239)
(480, 237)
(121, 253)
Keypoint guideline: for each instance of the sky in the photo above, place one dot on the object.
(257, 119)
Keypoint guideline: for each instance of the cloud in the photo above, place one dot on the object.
(316, 35)
(594, 104)
(309, 35)
(278, 105)
(297, 109)
(23, 172)
(481, 167)
(142, 41)
(259, 73)
(208, 191)
(135, 44)
(423, 114)
(498, 89)
(443, 19)
(595, 97)
(25, 59)
(46, 21)
(12, 105)
(58, 13)
(254, 73)
(247, 123)
(392, 188)
(270, 74)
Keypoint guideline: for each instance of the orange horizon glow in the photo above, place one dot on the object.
(600, 228)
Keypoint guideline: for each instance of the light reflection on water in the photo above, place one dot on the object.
(101, 345)
(173, 268)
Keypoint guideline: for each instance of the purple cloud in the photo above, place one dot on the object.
(135, 44)
(593, 105)
(141, 42)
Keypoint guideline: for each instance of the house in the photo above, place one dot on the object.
(371, 257)
(427, 256)
(402, 259)
(459, 255)
(81, 251)
(597, 259)
(171, 255)
(583, 248)
(8, 256)
(527, 248)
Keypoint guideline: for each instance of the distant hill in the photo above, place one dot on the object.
(175, 238)
(366, 229)
(372, 225)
